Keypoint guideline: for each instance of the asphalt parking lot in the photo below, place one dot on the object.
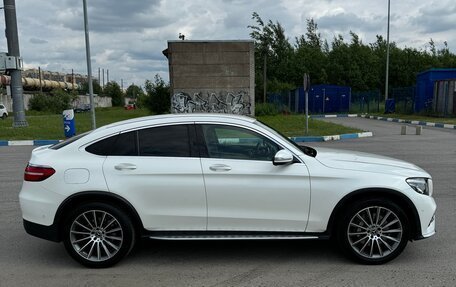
(25, 260)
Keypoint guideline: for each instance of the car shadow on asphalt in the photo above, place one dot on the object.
(149, 252)
(234, 251)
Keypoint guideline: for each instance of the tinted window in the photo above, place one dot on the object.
(119, 145)
(126, 145)
(237, 143)
(172, 141)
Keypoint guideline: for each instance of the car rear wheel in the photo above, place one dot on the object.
(4, 116)
(373, 231)
(98, 235)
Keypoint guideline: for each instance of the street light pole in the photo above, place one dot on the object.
(264, 77)
(12, 39)
(387, 52)
(89, 65)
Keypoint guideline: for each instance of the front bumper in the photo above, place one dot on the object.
(429, 231)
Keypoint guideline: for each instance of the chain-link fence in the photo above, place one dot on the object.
(366, 102)
(404, 98)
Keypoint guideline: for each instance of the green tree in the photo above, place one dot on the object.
(55, 102)
(351, 63)
(273, 49)
(84, 87)
(310, 56)
(134, 92)
(157, 99)
(112, 89)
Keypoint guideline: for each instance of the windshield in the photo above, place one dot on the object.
(305, 149)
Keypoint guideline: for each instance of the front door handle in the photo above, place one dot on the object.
(125, 166)
(220, 167)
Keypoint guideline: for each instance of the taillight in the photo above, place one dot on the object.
(37, 172)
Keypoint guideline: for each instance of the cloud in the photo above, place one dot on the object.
(127, 37)
(436, 19)
(37, 41)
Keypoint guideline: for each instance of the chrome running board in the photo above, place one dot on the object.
(233, 237)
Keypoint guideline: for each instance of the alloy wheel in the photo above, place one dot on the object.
(96, 235)
(375, 232)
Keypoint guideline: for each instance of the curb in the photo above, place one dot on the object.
(334, 116)
(421, 123)
(28, 142)
(332, 138)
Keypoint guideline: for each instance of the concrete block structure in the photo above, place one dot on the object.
(212, 76)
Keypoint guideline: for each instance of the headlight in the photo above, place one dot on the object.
(421, 185)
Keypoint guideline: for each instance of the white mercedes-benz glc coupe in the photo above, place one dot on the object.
(217, 176)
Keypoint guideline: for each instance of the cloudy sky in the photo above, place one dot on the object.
(128, 37)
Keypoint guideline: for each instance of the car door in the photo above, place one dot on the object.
(245, 191)
(159, 172)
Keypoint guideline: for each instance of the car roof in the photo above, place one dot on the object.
(177, 117)
(166, 119)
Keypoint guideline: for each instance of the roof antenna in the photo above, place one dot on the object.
(181, 36)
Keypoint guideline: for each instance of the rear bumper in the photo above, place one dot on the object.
(50, 232)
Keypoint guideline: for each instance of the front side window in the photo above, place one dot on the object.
(237, 143)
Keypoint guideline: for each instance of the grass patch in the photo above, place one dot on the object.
(45, 126)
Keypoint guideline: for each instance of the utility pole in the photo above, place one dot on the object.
(107, 76)
(102, 86)
(41, 84)
(387, 53)
(13, 51)
(72, 79)
(89, 64)
(306, 88)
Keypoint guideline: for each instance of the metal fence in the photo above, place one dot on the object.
(366, 102)
(360, 102)
(404, 98)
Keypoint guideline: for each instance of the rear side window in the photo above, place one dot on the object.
(119, 145)
(166, 141)
(169, 141)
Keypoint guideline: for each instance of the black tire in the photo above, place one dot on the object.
(98, 235)
(371, 239)
(4, 116)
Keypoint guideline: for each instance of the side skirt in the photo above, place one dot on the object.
(232, 235)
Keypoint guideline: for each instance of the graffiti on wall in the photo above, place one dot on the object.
(212, 102)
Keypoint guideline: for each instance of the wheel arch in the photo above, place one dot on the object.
(397, 197)
(96, 196)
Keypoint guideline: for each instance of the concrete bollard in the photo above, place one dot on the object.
(403, 130)
(418, 130)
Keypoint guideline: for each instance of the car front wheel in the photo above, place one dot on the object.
(374, 231)
(98, 235)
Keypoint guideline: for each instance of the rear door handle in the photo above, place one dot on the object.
(220, 167)
(125, 166)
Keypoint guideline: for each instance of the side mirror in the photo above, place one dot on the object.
(283, 157)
